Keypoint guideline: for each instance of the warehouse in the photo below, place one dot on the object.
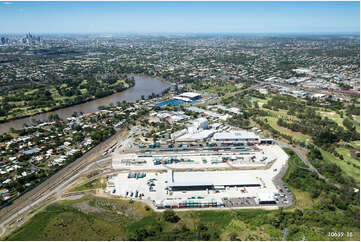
(266, 198)
(212, 180)
(201, 135)
(201, 123)
(191, 95)
(240, 136)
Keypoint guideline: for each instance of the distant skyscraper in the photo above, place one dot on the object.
(29, 36)
(3, 40)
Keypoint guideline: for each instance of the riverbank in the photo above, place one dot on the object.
(144, 86)
(130, 85)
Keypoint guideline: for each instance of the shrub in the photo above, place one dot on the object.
(170, 216)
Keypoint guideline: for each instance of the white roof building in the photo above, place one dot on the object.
(190, 94)
(266, 198)
(319, 95)
(201, 123)
(210, 178)
(179, 133)
(196, 136)
(241, 135)
(183, 98)
(232, 109)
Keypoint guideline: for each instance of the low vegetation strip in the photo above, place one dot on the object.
(91, 185)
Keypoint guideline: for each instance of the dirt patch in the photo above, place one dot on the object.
(124, 209)
(355, 154)
(85, 207)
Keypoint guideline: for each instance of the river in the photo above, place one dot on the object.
(143, 86)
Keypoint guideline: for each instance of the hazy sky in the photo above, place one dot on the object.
(242, 17)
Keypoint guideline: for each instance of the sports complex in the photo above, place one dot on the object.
(186, 97)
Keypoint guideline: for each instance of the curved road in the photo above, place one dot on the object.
(304, 159)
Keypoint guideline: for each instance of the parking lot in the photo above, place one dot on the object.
(240, 202)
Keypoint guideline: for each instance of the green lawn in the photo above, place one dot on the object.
(333, 116)
(259, 99)
(91, 185)
(126, 85)
(348, 169)
(303, 198)
(346, 153)
(354, 144)
(95, 218)
(222, 89)
(296, 135)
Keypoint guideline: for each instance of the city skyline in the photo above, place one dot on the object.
(180, 17)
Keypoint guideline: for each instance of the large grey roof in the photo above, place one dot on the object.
(242, 134)
(211, 178)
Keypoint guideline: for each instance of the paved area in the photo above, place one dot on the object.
(205, 159)
(153, 185)
(240, 202)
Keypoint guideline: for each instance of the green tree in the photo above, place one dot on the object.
(170, 216)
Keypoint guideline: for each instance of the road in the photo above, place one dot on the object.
(304, 159)
(56, 182)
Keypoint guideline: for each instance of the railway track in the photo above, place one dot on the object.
(50, 186)
(47, 187)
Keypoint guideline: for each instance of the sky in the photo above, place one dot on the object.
(179, 17)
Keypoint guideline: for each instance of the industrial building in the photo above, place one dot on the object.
(201, 123)
(144, 173)
(236, 136)
(212, 180)
(208, 113)
(195, 135)
(178, 134)
(188, 96)
(221, 107)
(198, 131)
(266, 198)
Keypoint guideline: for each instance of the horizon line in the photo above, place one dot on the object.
(83, 33)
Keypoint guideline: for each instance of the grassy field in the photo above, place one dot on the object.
(296, 135)
(346, 153)
(354, 144)
(221, 89)
(303, 199)
(87, 218)
(90, 185)
(349, 165)
(272, 120)
(333, 116)
(95, 218)
(348, 169)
